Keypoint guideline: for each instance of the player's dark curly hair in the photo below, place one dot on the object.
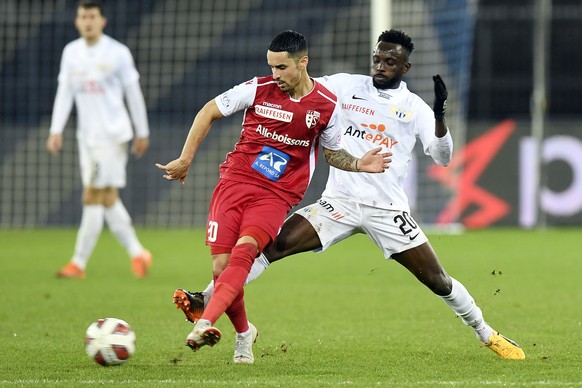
(397, 37)
(88, 4)
(291, 41)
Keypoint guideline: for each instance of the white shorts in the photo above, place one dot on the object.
(393, 231)
(103, 166)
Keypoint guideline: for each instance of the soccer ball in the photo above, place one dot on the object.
(110, 341)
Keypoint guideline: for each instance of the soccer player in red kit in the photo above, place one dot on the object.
(286, 116)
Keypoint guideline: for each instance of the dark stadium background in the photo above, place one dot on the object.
(501, 88)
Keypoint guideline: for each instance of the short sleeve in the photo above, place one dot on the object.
(331, 136)
(336, 82)
(238, 98)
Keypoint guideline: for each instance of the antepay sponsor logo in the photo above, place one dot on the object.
(376, 138)
(281, 138)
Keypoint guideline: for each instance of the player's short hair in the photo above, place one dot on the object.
(290, 41)
(397, 37)
(88, 4)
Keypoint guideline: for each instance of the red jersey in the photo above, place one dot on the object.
(279, 142)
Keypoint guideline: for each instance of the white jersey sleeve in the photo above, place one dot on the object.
(237, 98)
(439, 149)
(337, 83)
(331, 136)
(64, 99)
(127, 71)
(137, 109)
(135, 101)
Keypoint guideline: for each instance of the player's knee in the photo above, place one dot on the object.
(288, 242)
(243, 255)
(440, 284)
(110, 196)
(219, 263)
(276, 250)
(92, 196)
(217, 271)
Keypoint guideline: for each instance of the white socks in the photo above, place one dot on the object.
(202, 323)
(119, 223)
(245, 334)
(88, 233)
(464, 306)
(208, 291)
(92, 220)
(259, 265)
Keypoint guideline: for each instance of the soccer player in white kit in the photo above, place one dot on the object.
(96, 73)
(378, 111)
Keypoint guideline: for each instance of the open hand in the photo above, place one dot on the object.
(374, 161)
(54, 144)
(139, 146)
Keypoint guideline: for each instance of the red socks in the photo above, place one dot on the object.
(228, 292)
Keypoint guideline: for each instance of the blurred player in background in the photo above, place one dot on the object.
(286, 116)
(378, 111)
(96, 73)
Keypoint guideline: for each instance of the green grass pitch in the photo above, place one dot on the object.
(344, 317)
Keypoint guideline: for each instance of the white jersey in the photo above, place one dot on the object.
(387, 118)
(97, 77)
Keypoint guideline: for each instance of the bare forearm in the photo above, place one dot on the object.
(177, 169)
(199, 129)
(195, 137)
(341, 159)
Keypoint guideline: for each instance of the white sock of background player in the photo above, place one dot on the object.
(119, 222)
(91, 226)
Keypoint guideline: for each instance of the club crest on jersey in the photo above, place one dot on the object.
(311, 118)
(104, 67)
(400, 113)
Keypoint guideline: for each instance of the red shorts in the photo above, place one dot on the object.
(235, 206)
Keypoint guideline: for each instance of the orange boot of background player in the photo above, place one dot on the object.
(140, 264)
(71, 271)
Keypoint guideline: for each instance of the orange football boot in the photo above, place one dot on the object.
(191, 303)
(71, 271)
(140, 264)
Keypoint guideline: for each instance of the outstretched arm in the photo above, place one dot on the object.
(178, 169)
(372, 161)
(441, 149)
(440, 106)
